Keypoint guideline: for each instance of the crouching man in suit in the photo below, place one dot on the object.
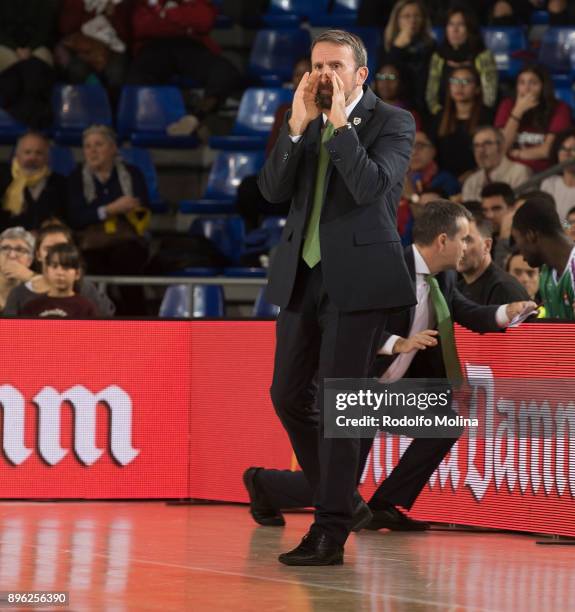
(418, 343)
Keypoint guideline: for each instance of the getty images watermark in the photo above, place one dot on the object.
(483, 407)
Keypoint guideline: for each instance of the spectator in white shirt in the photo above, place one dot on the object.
(494, 166)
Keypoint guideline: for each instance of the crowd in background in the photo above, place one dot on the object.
(477, 139)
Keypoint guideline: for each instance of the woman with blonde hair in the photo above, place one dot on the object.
(409, 43)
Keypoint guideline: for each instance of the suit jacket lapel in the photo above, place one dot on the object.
(410, 261)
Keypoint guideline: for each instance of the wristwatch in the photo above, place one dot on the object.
(347, 126)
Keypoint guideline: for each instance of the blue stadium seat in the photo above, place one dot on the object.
(75, 108)
(557, 51)
(564, 90)
(343, 14)
(145, 112)
(10, 129)
(438, 33)
(264, 238)
(275, 52)
(503, 42)
(254, 120)
(262, 308)
(539, 18)
(227, 172)
(227, 234)
(62, 160)
(202, 301)
(289, 13)
(143, 160)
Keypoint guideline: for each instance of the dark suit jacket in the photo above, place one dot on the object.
(50, 203)
(362, 263)
(429, 363)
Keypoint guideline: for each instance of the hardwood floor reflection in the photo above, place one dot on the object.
(119, 557)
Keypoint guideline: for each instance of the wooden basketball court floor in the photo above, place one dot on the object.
(138, 556)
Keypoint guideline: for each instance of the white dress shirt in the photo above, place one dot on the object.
(423, 318)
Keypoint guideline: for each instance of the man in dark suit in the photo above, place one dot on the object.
(338, 269)
(409, 349)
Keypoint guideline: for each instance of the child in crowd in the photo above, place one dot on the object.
(62, 270)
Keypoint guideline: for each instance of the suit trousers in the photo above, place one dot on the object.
(285, 489)
(315, 340)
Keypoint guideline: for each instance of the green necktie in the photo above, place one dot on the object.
(311, 252)
(446, 333)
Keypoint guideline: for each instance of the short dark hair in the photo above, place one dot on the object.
(483, 224)
(539, 195)
(537, 215)
(438, 217)
(558, 143)
(346, 39)
(499, 189)
(65, 254)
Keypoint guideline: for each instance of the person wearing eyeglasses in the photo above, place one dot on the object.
(463, 111)
(16, 255)
(562, 186)
(390, 85)
(462, 46)
(494, 166)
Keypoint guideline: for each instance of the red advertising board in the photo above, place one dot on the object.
(173, 409)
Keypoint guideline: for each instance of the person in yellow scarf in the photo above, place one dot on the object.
(30, 192)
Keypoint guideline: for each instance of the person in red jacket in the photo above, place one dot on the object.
(95, 35)
(171, 38)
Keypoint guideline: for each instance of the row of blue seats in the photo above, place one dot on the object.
(180, 302)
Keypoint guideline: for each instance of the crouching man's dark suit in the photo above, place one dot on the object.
(332, 315)
(286, 489)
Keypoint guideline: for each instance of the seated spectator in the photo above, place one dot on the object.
(389, 86)
(510, 12)
(171, 38)
(30, 192)
(408, 44)
(108, 205)
(532, 118)
(463, 111)
(494, 165)
(94, 38)
(423, 175)
(27, 36)
(540, 238)
(481, 280)
(498, 206)
(562, 186)
(410, 211)
(62, 271)
(463, 46)
(561, 13)
(518, 267)
(36, 284)
(16, 255)
(250, 203)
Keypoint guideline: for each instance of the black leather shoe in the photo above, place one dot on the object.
(394, 519)
(261, 510)
(362, 516)
(316, 548)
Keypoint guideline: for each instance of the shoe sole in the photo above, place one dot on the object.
(310, 563)
(394, 528)
(272, 521)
